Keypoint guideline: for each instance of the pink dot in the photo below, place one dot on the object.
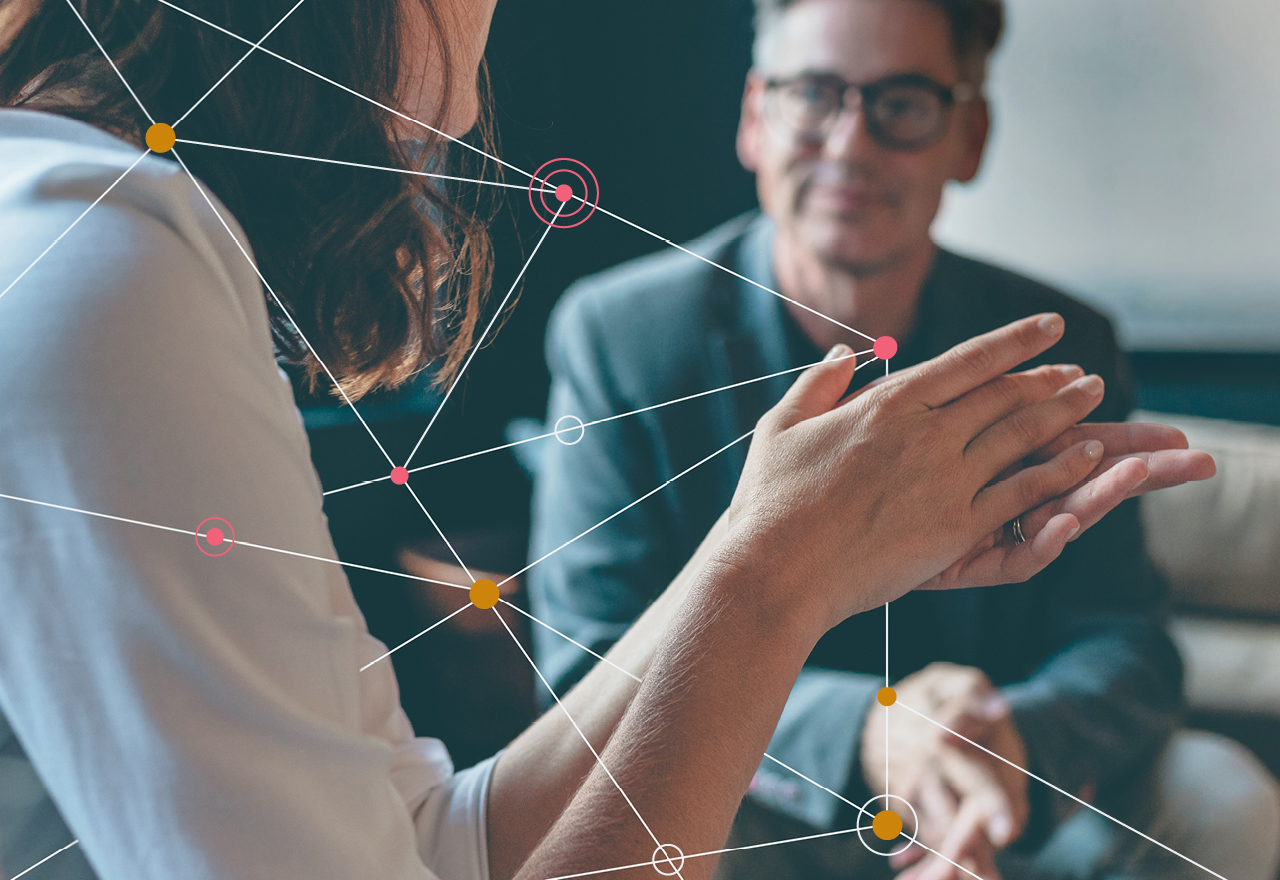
(215, 536)
(399, 476)
(885, 347)
(564, 192)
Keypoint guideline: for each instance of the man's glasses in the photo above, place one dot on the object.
(906, 112)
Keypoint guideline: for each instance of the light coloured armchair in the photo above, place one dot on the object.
(1219, 543)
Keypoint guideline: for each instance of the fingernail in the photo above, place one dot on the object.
(1091, 385)
(1093, 450)
(1070, 371)
(838, 350)
(1050, 325)
(1071, 534)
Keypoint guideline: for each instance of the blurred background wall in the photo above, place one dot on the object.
(1136, 162)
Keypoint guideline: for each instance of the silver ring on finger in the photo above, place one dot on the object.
(1015, 527)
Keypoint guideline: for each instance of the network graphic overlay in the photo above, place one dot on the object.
(563, 193)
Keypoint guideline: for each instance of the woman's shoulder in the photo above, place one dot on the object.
(91, 219)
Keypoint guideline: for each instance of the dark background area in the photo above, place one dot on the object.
(646, 95)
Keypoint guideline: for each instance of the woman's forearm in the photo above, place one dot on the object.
(688, 744)
(540, 771)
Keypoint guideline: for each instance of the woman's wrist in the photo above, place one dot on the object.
(771, 589)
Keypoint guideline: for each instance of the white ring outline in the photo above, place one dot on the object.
(581, 428)
(911, 838)
(667, 860)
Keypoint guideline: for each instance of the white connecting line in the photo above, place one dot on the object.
(657, 843)
(45, 859)
(430, 174)
(316, 355)
(233, 67)
(94, 37)
(218, 214)
(258, 47)
(74, 222)
(713, 852)
(646, 495)
(297, 328)
(737, 275)
(582, 427)
(480, 342)
(628, 507)
(145, 112)
(439, 531)
(572, 640)
(346, 89)
(1065, 793)
(267, 286)
(911, 840)
(289, 315)
(886, 709)
(493, 158)
(458, 378)
(237, 542)
(418, 636)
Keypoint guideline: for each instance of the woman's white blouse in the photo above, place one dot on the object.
(186, 716)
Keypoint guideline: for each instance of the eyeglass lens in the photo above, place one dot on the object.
(903, 116)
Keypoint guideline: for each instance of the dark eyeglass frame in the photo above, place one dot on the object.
(869, 93)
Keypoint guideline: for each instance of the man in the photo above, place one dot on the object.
(855, 116)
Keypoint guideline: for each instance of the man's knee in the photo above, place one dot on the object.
(1219, 806)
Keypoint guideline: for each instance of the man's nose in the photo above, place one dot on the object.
(849, 139)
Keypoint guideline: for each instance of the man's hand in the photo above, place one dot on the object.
(969, 804)
(1138, 458)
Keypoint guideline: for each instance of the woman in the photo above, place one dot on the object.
(223, 717)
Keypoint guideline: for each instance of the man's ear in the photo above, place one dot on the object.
(750, 124)
(977, 132)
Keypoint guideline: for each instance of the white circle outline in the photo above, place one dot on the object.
(915, 821)
(667, 860)
(582, 429)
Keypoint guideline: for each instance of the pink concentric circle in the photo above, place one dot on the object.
(215, 536)
(548, 180)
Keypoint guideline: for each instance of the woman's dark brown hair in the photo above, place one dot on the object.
(381, 272)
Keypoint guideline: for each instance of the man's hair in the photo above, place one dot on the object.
(976, 26)
(382, 274)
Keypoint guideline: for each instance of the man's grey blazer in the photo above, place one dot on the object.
(1080, 650)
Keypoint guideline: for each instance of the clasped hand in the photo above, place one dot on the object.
(969, 803)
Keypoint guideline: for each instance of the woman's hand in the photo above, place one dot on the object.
(843, 507)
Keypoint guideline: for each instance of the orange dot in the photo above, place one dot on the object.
(484, 593)
(161, 138)
(887, 696)
(887, 825)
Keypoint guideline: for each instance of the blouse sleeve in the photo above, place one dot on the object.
(194, 709)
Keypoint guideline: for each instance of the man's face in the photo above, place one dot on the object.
(849, 199)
